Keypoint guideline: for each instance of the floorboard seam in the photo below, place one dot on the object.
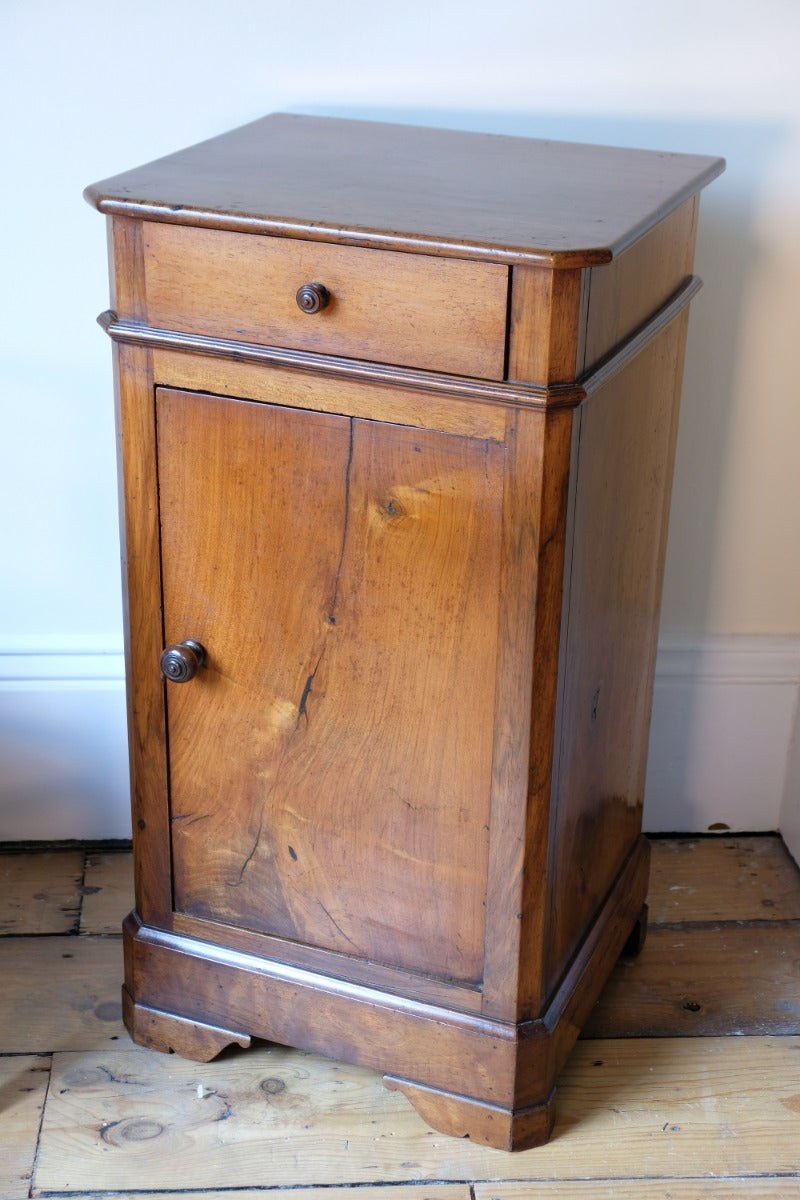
(266, 1190)
(81, 895)
(35, 1162)
(65, 933)
(29, 1053)
(720, 926)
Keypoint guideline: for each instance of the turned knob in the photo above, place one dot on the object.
(312, 297)
(179, 663)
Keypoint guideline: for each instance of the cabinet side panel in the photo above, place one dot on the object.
(622, 492)
(331, 767)
(624, 293)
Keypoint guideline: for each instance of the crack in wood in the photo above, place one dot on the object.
(336, 924)
(302, 707)
(345, 527)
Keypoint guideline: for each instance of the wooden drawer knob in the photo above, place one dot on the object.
(180, 663)
(312, 297)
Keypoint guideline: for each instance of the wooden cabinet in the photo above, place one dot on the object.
(397, 414)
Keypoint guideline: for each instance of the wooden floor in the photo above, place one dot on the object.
(686, 1084)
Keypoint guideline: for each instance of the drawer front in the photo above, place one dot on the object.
(409, 310)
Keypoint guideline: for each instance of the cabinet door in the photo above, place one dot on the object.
(330, 767)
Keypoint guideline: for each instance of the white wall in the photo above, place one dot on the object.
(89, 88)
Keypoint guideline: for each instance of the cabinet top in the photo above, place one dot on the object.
(429, 191)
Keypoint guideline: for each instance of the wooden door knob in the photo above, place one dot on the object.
(180, 663)
(312, 297)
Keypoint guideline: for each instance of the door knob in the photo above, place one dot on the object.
(312, 297)
(179, 663)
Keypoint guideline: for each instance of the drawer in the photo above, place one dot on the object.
(413, 310)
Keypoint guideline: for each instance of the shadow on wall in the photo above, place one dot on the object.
(790, 807)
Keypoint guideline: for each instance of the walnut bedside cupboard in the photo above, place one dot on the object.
(397, 414)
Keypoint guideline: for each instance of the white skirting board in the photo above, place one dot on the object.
(724, 745)
(63, 744)
(724, 739)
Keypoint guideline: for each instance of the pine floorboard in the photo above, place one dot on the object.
(40, 893)
(698, 982)
(438, 1191)
(722, 879)
(776, 1188)
(275, 1117)
(23, 1087)
(60, 994)
(686, 1084)
(107, 892)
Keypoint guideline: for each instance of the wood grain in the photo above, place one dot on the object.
(40, 893)
(552, 614)
(60, 993)
(483, 1066)
(463, 997)
(509, 845)
(723, 1116)
(169, 1034)
(139, 533)
(457, 1052)
(367, 544)
(723, 879)
(369, 400)
(359, 371)
(753, 1188)
(421, 190)
(699, 982)
(653, 1109)
(621, 505)
(412, 310)
(23, 1087)
(545, 327)
(107, 892)
(624, 293)
(126, 268)
(462, 1117)
(411, 1191)
(482, 391)
(417, 742)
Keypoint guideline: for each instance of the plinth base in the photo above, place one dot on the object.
(466, 1075)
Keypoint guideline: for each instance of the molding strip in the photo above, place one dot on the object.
(73, 661)
(514, 395)
(369, 239)
(636, 342)
(736, 659)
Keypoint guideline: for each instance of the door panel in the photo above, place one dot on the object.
(330, 769)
